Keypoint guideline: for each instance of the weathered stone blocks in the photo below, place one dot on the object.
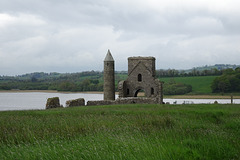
(100, 102)
(128, 100)
(75, 102)
(53, 103)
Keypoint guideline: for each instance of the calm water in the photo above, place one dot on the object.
(37, 100)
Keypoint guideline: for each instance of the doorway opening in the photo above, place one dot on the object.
(140, 93)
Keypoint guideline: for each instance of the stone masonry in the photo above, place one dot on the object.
(109, 80)
(75, 102)
(141, 77)
(129, 100)
(53, 103)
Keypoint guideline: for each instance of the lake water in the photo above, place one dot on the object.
(37, 100)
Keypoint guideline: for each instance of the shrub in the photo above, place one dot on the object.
(173, 88)
(228, 82)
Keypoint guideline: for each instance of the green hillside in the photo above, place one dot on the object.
(89, 81)
(200, 84)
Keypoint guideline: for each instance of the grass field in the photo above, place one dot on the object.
(122, 132)
(200, 84)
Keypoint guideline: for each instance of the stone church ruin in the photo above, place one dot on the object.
(141, 77)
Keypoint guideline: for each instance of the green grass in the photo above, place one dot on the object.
(122, 132)
(200, 84)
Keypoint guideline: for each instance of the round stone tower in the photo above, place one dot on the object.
(109, 80)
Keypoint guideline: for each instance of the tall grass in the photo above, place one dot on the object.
(122, 132)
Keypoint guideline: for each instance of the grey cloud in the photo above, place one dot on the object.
(72, 35)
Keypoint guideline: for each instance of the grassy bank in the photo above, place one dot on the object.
(202, 96)
(200, 84)
(122, 132)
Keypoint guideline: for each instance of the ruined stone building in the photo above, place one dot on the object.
(141, 77)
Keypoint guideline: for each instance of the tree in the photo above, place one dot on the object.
(224, 86)
(228, 82)
(33, 79)
(66, 86)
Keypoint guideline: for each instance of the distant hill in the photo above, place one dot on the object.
(200, 78)
(55, 75)
(216, 66)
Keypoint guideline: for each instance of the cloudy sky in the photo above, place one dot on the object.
(74, 35)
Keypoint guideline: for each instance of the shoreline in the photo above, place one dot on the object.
(201, 97)
(100, 92)
(48, 91)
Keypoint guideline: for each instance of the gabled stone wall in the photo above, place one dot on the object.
(141, 76)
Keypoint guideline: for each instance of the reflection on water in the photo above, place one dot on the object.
(37, 100)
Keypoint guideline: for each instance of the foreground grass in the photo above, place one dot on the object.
(122, 132)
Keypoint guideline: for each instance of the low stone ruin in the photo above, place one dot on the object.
(128, 100)
(75, 102)
(53, 103)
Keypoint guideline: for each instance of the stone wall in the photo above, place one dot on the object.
(100, 102)
(75, 102)
(53, 103)
(149, 63)
(141, 77)
(129, 100)
(136, 100)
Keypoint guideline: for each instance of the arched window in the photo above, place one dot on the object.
(139, 77)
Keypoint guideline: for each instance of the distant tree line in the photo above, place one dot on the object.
(184, 73)
(85, 85)
(93, 81)
(84, 81)
(229, 81)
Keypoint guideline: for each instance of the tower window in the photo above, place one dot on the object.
(152, 91)
(127, 91)
(139, 77)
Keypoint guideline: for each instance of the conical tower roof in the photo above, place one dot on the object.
(109, 57)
